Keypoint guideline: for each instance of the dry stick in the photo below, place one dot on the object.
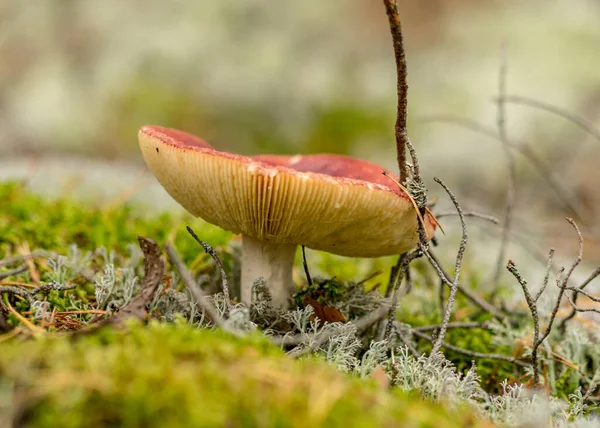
(20, 258)
(217, 260)
(532, 303)
(406, 259)
(486, 217)
(393, 276)
(573, 301)
(450, 325)
(581, 122)
(9, 289)
(459, 257)
(30, 294)
(13, 272)
(474, 298)
(512, 174)
(199, 295)
(565, 196)
(391, 8)
(308, 278)
(474, 354)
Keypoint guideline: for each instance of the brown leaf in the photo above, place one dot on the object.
(323, 312)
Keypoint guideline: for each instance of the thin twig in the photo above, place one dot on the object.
(406, 259)
(217, 260)
(577, 120)
(474, 354)
(486, 217)
(561, 282)
(23, 257)
(308, 278)
(9, 289)
(199, 296)
(459, 257)
(512, 174)
(391, 8)
(474, 298)
(13, 272)
(564, 195)
(546, 275)
(585, 283)
(451, 325)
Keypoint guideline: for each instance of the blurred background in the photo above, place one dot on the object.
(79, 77)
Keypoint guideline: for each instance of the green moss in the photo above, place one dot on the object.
(175, 375)
(56, 225)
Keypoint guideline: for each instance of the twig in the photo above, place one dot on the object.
(450, 325)
(561, 282)
(585, 283)
(13, 272)
(459, 257)
(474, 298)
(565, 196)
(512, 174)
(486, 217)
(474, 354)
(199, 295)
(393, 276)
(29, 295)
(546, 275)
(23, 257)
(308, 278)
(217, 260)
(406, 258)
(579, 121)
(18, 292)
(391, 8)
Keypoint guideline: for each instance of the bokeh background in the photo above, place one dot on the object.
(79, 77)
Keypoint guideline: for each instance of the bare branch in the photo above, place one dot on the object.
(474, 298)
(546, 276)
(451, 325)
(391, 8)
(593, 276)
(564, 195)
(512, 173)
(13, 272)
(217, 260)
(486, 217)
(308, 278)
(577, 120)
(405, 260)
(199, 295)
(459, 257)
(474, 354)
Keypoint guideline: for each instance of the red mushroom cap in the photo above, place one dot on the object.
(327, 202)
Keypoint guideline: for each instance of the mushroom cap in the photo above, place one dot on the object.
(327, 202)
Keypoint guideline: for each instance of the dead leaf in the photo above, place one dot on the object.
(323, 312)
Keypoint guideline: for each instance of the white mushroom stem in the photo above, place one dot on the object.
(273, 262)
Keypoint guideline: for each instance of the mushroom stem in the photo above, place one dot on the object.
(273, 262)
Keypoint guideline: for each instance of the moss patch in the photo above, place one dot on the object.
(175, 375)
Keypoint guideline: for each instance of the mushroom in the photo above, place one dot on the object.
(327, 202)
